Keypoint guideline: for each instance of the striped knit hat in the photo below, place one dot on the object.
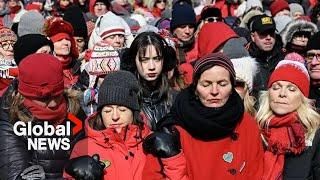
(210, 60)
(7, 34)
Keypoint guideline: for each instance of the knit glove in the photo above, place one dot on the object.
(163, 144)
(86, 168)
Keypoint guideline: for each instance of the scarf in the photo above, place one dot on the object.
(285, 134)
(206, 123)
(296, 48)
(56, 116)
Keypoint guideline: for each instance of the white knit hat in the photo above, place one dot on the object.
(253, 3)
(246, 68)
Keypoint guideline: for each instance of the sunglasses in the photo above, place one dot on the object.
(213, 19)
(160, 1)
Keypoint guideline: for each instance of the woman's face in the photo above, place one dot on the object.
(117, 117)
(6, 49)
(2, 4)
(284, 97)
(44, 49)
(48, 102)
(62, 47)
(301, 38)
(122, 2)
(214, 87)
(64, 3)
(241, 88)
(100, 9)
(80, 43)
(116, 41)
(150, 65)
(161, 4)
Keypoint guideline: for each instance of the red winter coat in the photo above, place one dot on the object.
(126, 157)
(240, 158)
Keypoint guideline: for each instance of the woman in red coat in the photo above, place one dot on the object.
(219, 139)
(115, 133)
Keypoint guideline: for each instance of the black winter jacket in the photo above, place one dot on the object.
(267, 61)
(14, 156)
(315, 95)
(305, 166)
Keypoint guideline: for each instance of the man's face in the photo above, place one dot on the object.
(184, 32)
(313, 64)
(265, 41)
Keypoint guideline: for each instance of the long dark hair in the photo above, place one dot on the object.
(139, 48)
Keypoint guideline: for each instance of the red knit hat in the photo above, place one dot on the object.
(58, 29)
(278, 5)
(212, 36)
(294, 72)
(40, 76)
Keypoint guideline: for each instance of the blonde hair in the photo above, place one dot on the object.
(307, 114)
(16, 110)
(249, 102)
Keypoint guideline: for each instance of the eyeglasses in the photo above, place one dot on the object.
(6, 45)
(213, 19)
(311, 56)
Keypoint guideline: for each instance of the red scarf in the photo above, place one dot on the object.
(68, 77)
(285, 135)
(56, 116)
(15, 9)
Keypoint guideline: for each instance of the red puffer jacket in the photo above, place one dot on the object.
(126, 156)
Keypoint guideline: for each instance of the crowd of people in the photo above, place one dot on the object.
(179, 90)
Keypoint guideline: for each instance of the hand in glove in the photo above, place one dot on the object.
(33, 172)
(85, 168)
(163, 144)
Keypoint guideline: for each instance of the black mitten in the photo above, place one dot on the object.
(85, 168)
(163, 144)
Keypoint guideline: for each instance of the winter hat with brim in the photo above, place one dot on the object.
(294, 72)
(209, 42)
(313, 42)
(277, 6)
(32, 22)
(7, 34)
(182, 14)
(29, 44)
(213, 59)
(119, 88)
(40, 76)
(294, 8)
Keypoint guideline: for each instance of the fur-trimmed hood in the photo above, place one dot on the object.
(246, 69)
(248, 16)
(296, 26)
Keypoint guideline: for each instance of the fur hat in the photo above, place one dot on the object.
(246, 68)
(248, 16)
(294, 72)
(74, 16)
(55, 28)
(297, 26)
